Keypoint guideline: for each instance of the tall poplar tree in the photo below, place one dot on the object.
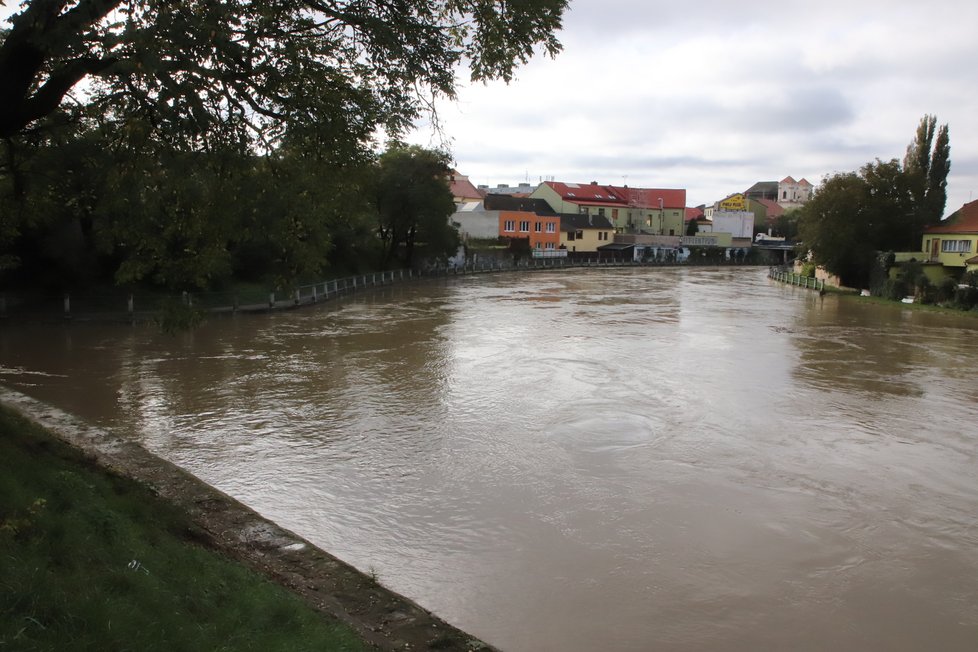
(926, 166)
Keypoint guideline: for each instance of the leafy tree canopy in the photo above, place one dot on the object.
(883, 207)
(201, 71)
(183, 143)
(413, 203)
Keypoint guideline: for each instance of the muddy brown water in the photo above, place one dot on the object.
(637, 459)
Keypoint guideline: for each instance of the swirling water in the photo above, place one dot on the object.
(638, 459)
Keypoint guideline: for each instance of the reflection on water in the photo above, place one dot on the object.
(611, 459)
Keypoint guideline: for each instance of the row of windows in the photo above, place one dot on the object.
(509, 226)
(546, 245)
(579, 235)
(956, 246)
(586, 210)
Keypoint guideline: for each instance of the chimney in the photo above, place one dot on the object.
(594, 183)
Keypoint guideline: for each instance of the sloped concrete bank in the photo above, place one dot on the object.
(383, 618)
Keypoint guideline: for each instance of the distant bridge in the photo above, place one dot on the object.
(785, 246)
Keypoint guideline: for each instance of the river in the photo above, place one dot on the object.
(606, 459)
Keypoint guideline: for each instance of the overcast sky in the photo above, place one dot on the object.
(713, 96)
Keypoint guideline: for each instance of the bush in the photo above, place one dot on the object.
(947, 290)
(966, 298)
(895, 289)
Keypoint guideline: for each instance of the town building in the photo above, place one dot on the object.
(584, 232)
(786, 192)
(463, 191)
(954, 242)
(525, 218)
(523, 189)
(630, 210)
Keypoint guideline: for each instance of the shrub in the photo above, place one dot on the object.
(966, 298)
(947, 290)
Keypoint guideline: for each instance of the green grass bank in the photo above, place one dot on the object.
(94, 561)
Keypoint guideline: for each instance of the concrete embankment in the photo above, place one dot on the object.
(382, 618)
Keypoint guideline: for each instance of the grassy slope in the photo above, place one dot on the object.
(89, 561)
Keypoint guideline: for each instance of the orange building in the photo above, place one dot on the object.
(530, 219)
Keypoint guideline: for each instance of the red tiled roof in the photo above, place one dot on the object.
(963, 220)
(693, 214)
(590, 193)
(621, 196)
(805, 182)
(788, 180)
(774, 209)
(649, 197)
(463, 188)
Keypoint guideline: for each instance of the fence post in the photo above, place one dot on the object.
(130, 305)
(67, 306)
(271, 299)
(315, 295)
(296, 300)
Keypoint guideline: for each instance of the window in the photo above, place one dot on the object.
(551, 227)
(956, 246)
(583, 210)
(614, 213)
(601, 212)
(580, 234)
(537, 227)
(570, 236)
(549, 245)
(525, 226)
(509, 226)
(538, 245)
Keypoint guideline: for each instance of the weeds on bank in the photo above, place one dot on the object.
(93, 561)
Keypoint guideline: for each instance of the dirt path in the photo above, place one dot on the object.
(383, 618)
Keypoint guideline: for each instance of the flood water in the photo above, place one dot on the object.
(622, 459)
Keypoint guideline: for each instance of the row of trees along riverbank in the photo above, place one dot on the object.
(885, 206)
(186, 146)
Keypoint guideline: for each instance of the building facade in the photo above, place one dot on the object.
(953, 242)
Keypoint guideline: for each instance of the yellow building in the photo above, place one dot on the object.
(585, 233)
(954, 242)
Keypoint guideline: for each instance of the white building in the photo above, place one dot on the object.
(739, 224)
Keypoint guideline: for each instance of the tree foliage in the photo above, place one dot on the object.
(413, 203)
(883, 207)
(184, 144)
(838, 226)
(926, 165)
(206, 72)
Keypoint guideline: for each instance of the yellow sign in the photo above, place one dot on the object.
(734, 203)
